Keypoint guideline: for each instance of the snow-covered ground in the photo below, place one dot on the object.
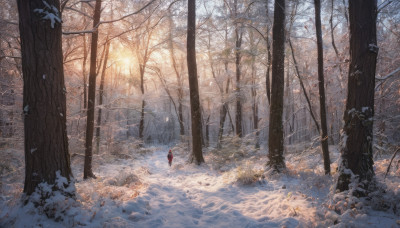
(146, 192)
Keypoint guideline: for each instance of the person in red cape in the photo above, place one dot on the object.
(170, 157)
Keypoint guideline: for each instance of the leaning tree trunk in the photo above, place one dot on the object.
(44, 102)
(197, 152)
(357, 137)
(275, 137)
(87, 170)
(321, 86)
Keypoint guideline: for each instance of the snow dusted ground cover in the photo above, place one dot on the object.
(140, 190)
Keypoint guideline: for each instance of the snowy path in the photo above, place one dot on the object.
(192, 196)
(187, 195)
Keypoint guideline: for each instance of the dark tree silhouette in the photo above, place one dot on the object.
(197, 152)
(275, 137)
(238, 58)
(357, 137)
(44, 102)
(321, 86)
(87, 171)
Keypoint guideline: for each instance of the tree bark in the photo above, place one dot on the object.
(254, 106)
(141, 123)
(197, 152)
(87, 170)
(85, 54)
(44, 101)
(321, 87)
(267, 77)
(275, 137)
(101, 94)
(238, 57)
(357, 137)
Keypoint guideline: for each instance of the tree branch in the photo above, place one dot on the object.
(389, 75)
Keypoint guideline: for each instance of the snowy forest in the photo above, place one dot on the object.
(207, 113)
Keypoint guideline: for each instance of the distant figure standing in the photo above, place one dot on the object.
(170, 157)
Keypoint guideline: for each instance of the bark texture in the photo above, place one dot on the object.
(321, 87)
(197, 152)
(267, 76)
(85, 54)
(357, 137)
(275, 137)
(238, 58)
(87, 170)
(44, 102)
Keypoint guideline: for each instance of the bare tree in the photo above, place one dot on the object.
(267, 76)
(84, 60)
(275, 137)
(238, 57)
(321, 86)
(87, 171)
(357, 137)
(44, 102)
(197, 152)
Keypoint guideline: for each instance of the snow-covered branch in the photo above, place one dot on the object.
(109, 21)
(49, 12)
(79, 32)
(383, 5)
(389, 75)
(128, 15)
(8, 22)
(78, 11)
(8, 56)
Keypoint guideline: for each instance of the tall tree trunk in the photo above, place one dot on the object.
(254, 106)
(101, 94)
(141, 123)
(267, 76)
(275, 137)
(287, 102)
(195, 109)
(85, 54)
(44, 102)
(207, 141)
(321, 86)
(87, 170)
(357, 137)
(238, 57)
